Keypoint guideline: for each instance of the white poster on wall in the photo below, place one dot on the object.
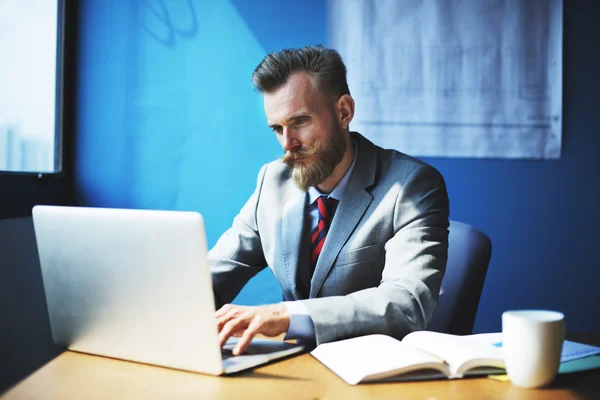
(460, 78)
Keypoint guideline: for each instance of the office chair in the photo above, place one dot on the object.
(469, 252)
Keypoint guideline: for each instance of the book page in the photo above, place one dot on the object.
(373, 357)
(459, 352)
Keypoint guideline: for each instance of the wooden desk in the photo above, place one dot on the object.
(78, 376)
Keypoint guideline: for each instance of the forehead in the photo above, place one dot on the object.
(298, 94)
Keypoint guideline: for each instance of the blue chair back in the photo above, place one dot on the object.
(469, 253)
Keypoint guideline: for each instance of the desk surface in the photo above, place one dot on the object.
(76, 376)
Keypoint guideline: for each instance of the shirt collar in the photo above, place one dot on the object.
(338, 191)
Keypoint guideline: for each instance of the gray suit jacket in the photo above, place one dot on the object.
(382, 264)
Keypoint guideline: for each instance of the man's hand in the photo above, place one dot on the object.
(246, 322)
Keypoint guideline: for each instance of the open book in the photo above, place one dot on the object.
(420, 355)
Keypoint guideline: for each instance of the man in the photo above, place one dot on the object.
(355, 235)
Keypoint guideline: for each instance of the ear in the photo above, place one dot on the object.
(345, 110)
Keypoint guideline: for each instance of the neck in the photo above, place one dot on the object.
(340, 170)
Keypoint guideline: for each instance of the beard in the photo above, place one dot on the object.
(326, 156)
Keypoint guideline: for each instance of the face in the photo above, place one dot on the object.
(306, 126)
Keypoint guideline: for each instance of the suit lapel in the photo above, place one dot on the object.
(292, 224)
(351, 208)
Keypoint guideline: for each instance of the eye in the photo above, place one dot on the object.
(277, 129)
(301, 120)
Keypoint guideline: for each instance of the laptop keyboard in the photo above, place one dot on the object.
(228, 353)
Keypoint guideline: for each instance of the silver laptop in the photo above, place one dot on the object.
(135, 285)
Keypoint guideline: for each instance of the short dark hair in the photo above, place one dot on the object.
(324, 65)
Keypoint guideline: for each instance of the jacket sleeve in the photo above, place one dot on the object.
(238, 254)
(415, 262)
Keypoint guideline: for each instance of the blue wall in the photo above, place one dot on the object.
(543, 216)
(167, 119)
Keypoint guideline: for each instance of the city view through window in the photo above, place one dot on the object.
(28, 76)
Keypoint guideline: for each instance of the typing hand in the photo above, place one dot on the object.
(246, 322)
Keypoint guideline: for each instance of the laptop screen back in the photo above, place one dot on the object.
(129, 284)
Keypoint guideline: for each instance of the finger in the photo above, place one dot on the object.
(231, 313)
(221, 321)
(226, 331)
(224, 310)
(248, 335)
(230, 328)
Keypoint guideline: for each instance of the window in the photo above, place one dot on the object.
(31, 35)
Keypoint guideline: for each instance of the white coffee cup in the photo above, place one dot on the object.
(532, 344)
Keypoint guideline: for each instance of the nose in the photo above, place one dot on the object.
(288, 141)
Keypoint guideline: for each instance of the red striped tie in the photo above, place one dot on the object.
(318, 235)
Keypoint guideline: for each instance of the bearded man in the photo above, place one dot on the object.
(356, 236)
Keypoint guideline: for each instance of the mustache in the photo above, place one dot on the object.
(291, 156)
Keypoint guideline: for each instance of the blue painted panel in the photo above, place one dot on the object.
(167, 118)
